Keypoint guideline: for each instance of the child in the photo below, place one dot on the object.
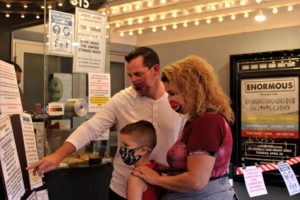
(137, 141)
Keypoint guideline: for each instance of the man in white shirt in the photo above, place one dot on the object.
(146, 99)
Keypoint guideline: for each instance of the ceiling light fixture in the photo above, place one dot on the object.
(220, 19)
(260, 17)
(290, 8)
(175, 13)
(275, 10)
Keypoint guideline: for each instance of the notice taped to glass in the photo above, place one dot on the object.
(269, 119)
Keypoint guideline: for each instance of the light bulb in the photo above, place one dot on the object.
(260, 17)
(220, 19)
(275, 10)
(290, 8)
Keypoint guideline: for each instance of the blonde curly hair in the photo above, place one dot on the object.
(197, 82)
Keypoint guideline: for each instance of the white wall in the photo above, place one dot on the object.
(216, 50)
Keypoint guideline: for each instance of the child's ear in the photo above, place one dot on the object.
(144, 150)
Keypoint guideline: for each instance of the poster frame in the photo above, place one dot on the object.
(239, 73)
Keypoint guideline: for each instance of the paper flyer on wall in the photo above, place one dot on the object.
(99, 93)
(98, 90)
(61, 29)
(90, 34)
(10, 100)
(10, 162)
(30, 148)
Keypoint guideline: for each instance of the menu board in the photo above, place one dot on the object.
(10, 165)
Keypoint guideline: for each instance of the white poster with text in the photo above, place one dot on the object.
(9, 159)
(30, 148)
(254, 181)
(61, 29)
(90, 33)
(10, 100)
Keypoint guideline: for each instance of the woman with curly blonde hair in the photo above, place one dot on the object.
(199, 160)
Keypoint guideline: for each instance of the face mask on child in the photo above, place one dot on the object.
(128, 155)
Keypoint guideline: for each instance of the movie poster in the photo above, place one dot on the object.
(269, 119)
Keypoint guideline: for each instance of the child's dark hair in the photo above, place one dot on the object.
(143, 132)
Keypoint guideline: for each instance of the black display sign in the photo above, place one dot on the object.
(265, 96)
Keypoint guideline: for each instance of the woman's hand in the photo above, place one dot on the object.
(147, 174)
(162, 168)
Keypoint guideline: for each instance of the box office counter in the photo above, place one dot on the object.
(79, 181)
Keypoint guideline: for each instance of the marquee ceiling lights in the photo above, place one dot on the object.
(27, 7)
(127, 16)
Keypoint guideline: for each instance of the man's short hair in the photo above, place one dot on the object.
(142, 131)
(150, 56)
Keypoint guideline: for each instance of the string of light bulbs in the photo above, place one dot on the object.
(137, 16)
(12, 5)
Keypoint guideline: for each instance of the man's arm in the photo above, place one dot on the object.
(52, 161)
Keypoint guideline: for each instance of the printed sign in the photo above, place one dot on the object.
(90, 33)
(99, 90)
(269, 119)
(289, 178)
(254, 181)
(10, 162)
(61, 29)
(10, 100)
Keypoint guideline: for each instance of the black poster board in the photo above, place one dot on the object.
(265, 98)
